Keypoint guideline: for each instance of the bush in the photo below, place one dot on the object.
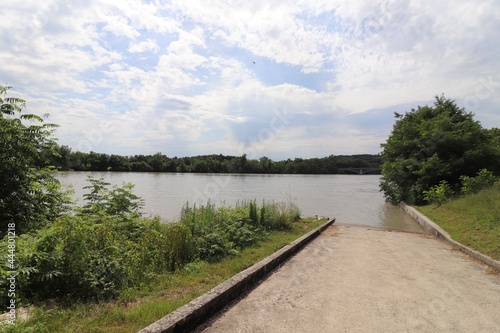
(116, 201)
(75, 258)
(97, 252)
(439, 194)
(95, 257)
(483, 180)
(213, 246)
(161, 248)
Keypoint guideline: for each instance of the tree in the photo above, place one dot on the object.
(433, 144)
(116, 201)
(157, 162)
(265, 164)
(63, 158)
(494, 134)
(29, 195)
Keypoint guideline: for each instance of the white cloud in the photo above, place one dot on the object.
(143, 46)
(182, 73)
(273, 30)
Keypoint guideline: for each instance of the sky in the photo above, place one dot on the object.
(282, 79)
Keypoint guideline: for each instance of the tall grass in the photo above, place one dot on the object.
(268, 215)
(223, 231)
(473, 220)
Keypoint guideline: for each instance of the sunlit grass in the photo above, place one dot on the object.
(473, 220)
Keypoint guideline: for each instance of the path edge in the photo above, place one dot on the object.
(432, 228)
(198, 310)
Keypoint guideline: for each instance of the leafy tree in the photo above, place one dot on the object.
(432, 144)
(119, 201)
(494, 134)
(200, 166)
(29, 195)
(157, 162)
(119, 163)
(63, 158)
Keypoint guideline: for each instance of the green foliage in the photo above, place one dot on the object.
(431, 144)
(494, 135)
(66, 159)
(262, 215)
(116, 201)
(438, 194)
(30, 196)
(226, 230)
(161, 248)
(94, 257)
(253, 212)
(98, 251)
(483, 180)
(74, 258)
(213, 246)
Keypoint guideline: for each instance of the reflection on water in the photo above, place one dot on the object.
(352, 199)
(393, 217)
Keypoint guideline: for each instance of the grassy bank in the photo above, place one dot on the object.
(140, 306)
(473, 220)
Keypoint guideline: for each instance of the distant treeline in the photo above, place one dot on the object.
(92, 161)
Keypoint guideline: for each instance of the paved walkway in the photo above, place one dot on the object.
(355, 279)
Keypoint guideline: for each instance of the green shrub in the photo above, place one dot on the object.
(213, 246)
(161, 248)
(483, 180)
(94, 257)
(243, 233)
(116, 201)
(438, 194)
(76, 258)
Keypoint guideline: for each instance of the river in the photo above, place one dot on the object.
(351, 199)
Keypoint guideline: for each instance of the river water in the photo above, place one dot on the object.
(351, 199)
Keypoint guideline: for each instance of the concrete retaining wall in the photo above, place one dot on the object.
(198, 310)
(436, 231)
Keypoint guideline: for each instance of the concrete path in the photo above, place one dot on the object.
(355, 279)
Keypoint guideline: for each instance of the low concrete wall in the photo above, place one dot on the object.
(436, 231)
(198, 310)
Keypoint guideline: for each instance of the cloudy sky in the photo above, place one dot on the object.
(275, 78)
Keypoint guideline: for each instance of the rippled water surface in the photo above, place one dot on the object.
(352, 199)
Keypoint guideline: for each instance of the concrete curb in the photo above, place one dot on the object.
(436, 231)
(195, 312)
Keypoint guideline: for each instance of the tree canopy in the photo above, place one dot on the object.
(29, 195)
(67, 159)
(432, 144)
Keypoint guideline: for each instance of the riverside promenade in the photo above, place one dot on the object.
(357, 279)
